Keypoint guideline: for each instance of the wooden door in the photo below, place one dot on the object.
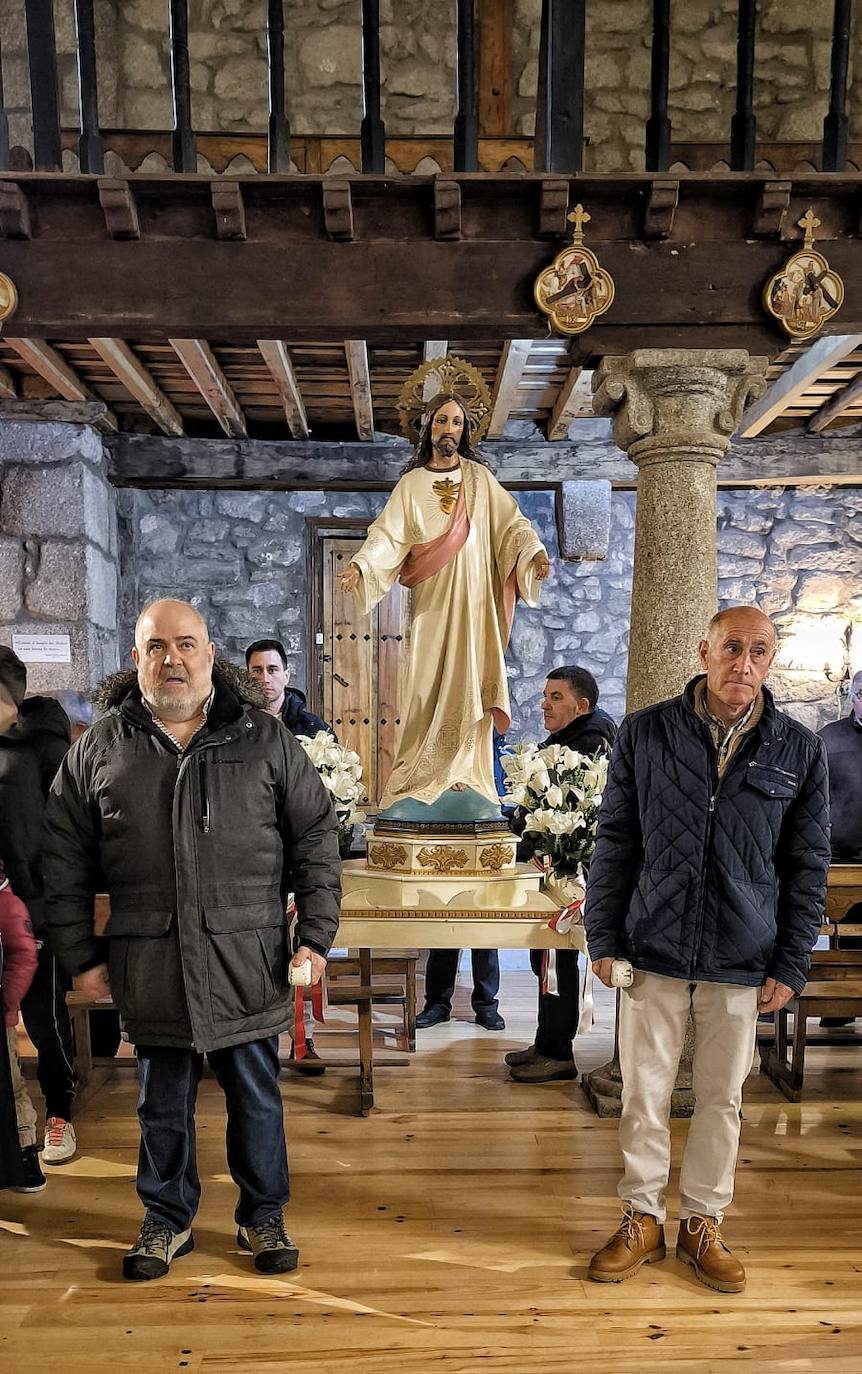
(364, 662)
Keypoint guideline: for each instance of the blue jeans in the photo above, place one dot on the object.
(168, 1182)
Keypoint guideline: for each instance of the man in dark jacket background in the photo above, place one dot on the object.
(709, 876)
(573, 718)
(198, 811)
(843, 741)
(266, 661)
(31, 751)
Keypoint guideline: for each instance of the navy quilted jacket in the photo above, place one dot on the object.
(698, 877)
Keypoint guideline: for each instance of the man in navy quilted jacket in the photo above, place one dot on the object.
(709, 876)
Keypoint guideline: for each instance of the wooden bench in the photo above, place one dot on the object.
(834, 989)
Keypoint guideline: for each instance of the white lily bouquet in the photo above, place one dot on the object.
(557, 793)
(340, 772)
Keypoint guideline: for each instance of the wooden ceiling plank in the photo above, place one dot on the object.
(51, 365)
(510, 372)
(275, 355)
(356, 352)
(838, 403)
(822, 355)
(131, 374)
(205, 371)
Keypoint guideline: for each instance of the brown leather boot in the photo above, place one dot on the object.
(639, 1239)
(699, 1244)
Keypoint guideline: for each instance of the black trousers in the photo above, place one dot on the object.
(442, 970)
(558, 1011)
(47, 1023)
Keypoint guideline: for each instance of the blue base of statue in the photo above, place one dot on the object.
(454, 813)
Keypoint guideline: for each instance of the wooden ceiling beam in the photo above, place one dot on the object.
(575, 402)
(356, 352)
(793, 383)
(510, 373)
(8, 390)
(277, 359)
(56, 371)
(140, 384)
(836, 405)
(203, 367)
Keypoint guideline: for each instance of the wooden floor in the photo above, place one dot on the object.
(448, 1232)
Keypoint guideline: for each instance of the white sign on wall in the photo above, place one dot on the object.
(42, 648)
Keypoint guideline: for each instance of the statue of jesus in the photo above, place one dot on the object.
(455, 537)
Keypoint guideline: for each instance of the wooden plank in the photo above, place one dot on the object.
(60, 412)
(837, 404)
(151, 461)
(8, 390)
(509, 375)
(131, 373)
(277, 359)
(793, 383)
(53, 367)
(495, 18)
(574, 401)
(356, 352)
(202, 366)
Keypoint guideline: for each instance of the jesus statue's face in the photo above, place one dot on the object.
(447, 426)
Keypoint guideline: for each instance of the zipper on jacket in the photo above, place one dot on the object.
(205, 799)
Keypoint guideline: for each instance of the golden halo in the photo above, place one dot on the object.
(454, 377)
(8, 297)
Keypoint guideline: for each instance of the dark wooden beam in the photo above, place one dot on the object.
(4, 123)
(91, 149)
(42, 56)
(466, 131)
(838, 404)
(372, 133)
(147, 461)
(58, 412)
(120, 208)
(403, 283)
(559, 139)
(229, 210)
(743, 126)
(182, 139)
(836, 125)
(658, 124)
(278, 131)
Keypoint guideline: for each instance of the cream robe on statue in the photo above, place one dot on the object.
(456, 687)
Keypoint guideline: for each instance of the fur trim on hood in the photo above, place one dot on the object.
(114, 688)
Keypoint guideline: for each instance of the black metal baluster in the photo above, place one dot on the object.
(466, 139)
(658, 124)
(42, 53)
(182, 139)
(5, 159)
(559, 138)
(836, 123)
(91, 149)
(372, 135)
(278, 143)
(743, 126)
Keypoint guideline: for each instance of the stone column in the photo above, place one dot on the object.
(58, 549)
(674, 411)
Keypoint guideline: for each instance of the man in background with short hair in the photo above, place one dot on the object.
(266, 661)
(573, 718)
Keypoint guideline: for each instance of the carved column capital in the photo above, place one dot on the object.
(677, 405)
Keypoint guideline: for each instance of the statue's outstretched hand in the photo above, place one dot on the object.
(541, 565)
(348, 581)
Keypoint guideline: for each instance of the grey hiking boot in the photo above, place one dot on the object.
(150, 1256)
(274, 1252)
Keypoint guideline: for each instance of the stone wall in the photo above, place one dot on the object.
(243, 559)
(58, 549)
(322, 68)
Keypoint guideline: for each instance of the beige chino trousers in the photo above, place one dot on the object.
(653, 1019)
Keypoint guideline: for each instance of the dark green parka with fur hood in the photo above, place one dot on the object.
(197, 852)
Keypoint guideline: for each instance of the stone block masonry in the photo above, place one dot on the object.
(59, 565)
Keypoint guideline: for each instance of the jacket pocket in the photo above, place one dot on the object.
(745, 925)
(144, 967)
(772, 782)
(246, 951)
(657, 914)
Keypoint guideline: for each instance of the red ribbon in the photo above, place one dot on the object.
(299, 1050)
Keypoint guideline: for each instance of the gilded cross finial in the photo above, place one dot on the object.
(578, 217)
(808, 224)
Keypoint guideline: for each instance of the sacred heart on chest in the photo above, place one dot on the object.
(446, 492)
